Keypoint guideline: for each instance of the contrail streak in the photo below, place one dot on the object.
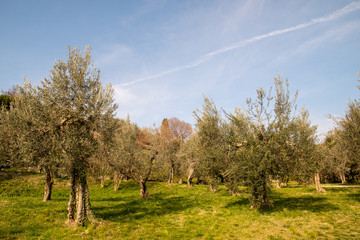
(339, 13)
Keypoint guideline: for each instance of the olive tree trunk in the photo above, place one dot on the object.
(318, 184)
(343, 179)
(189, 179)
(79, 201)
(48, 184)
(143, 190)
(117, 181)
(171, 177)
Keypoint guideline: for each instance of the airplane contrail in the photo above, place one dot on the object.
(339, 13)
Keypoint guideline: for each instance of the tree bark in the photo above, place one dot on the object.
(117, 181)
(102, 181)
(180, 180)
(343, 179)
(171, 177)
(89, 212)
(278, 182)
(286, 182)
(72, 199)
(143, 190)
(189, 182)
(80, 207)
(317, 183)
(48, 184)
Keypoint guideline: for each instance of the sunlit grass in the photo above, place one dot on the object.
(177, 212)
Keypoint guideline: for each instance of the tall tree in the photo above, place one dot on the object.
(79, 106)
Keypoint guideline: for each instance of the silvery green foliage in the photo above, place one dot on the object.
(79, 106)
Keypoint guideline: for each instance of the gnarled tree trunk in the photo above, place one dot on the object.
(48, 184)
(143, 190)
(317, 183)
(79, 201)
(72, 199)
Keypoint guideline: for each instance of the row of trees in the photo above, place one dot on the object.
(67, 127)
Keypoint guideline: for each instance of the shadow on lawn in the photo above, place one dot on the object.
(126, 208)
(310, 203)
(354, 196)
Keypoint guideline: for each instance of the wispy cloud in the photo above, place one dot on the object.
(354, 6)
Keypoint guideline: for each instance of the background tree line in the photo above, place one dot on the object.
(67, 128)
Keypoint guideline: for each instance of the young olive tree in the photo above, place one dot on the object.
(34, 137)
(135, 153)
(349, 134)
(189, 158)
(211, 143)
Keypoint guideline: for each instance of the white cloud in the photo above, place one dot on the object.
(124, 96)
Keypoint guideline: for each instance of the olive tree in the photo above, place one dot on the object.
(79, 106)
(134, 153)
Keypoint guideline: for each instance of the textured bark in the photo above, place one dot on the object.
(143, 190)
(48, 184)
(189, 182)
(89, 212)
(80, 206)
(343, 179)
(317, 183)
(180, 181)
(263, 201)
(72, 200)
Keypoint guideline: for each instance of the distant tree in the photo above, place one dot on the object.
(349, 134)
(189, 158)
(251, 130)
(336, 156)
(179, 129)
(173, 132)
(5, 101)
(6, 135)
(135, 153)
(211, 143)
(100, 161)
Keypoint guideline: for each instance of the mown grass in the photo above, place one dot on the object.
(177, 212)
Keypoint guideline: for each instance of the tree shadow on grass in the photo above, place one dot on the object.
(127, 209)
(243, 201)
(354, 196)
(315, 204)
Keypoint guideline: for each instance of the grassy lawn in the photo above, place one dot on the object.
(177, 212)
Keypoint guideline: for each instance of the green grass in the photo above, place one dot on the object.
(177, 212)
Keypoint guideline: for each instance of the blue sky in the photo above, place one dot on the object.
(162, 56)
